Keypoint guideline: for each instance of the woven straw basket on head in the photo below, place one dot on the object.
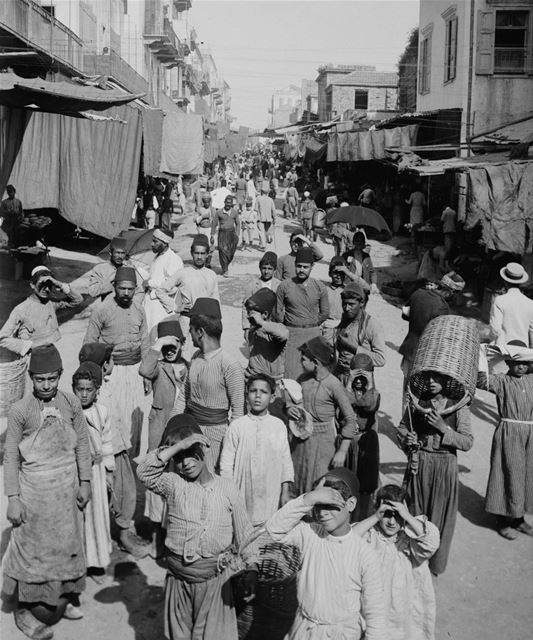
(449, 346)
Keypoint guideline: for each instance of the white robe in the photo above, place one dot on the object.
(164, 265)
(339, 581)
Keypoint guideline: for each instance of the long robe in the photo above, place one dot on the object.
(339, 581)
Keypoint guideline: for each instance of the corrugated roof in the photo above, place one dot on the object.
(368, 79)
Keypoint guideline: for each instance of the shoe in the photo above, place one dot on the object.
(31, 627)
(508, 533)
(72, 612)
(137, 549)
(524, 527)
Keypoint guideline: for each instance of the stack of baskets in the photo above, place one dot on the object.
(12, 379)
(449, 346)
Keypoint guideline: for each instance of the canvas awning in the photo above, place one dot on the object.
(354, 146)
(182, 150)
(58, 97)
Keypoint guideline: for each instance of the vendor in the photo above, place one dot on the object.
(12, 215)
(34, 321)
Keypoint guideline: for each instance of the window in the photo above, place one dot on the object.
(450, 50)
(510, 41)
(329, 103)
(361, 99)
(424, 69)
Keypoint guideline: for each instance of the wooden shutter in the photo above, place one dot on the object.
(485, 43)
(529, 44)
(453, 49)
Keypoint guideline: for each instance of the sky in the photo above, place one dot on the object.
(263, 45)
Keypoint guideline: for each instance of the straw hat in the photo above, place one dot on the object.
(514, 273)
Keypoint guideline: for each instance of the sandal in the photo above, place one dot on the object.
(508, 533)
(72, 612)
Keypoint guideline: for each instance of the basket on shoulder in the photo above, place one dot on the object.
(449, 346)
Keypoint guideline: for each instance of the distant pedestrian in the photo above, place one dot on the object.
(291, 201)
(449, 227)
(12, 215)
(228, 223)
(266, 216)
(248, 223)
(308, 209)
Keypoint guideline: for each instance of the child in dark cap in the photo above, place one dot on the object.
(339, 583)
(206, 518)
(167, 371)
(267, 268)
(86, 383)
(363, 456)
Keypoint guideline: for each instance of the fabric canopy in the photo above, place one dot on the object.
(86, 169)
(353, 146)
(58, 97)
(500, 198)
(182, 150)
(152, 121)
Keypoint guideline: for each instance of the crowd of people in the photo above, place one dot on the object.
(274, 465)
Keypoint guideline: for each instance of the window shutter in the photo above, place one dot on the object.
(453, 49)
(485, 43)
(529, 53)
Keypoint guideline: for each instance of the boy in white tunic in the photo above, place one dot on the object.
(340, 592)
(256, 454)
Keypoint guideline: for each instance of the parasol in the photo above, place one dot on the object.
(358, 216)
(138, 243)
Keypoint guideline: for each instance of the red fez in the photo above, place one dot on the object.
(118, 243)
(305, 255)
(45, 359)
(126, 274)
(170, 327)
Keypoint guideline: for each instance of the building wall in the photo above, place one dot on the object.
(496, 99)
(379, 98)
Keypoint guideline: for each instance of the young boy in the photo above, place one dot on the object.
(339, 581)
(123, 494)
(363, 457)
(206, 517)
(47, 478)
(256, 454)
(86, 382)
(324, 398)
(403, 545)
(267, 267)
(267, 339)
(248, 222)
(510, 486)
(167, 371)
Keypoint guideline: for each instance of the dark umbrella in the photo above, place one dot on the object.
(357, 216)
(138, 243)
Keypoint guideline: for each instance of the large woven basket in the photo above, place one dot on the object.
(449, 346)
(12, 383)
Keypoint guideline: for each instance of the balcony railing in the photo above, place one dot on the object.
(111, 64)
(163, 41)
(37, 28)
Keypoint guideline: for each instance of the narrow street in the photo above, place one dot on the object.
(485, 572)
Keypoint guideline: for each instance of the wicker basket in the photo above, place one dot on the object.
(12, 383)
(449, 346)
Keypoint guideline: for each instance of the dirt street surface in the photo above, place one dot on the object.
(487, 590)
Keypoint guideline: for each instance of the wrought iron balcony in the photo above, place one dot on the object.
(112, 65)
(38, 29)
